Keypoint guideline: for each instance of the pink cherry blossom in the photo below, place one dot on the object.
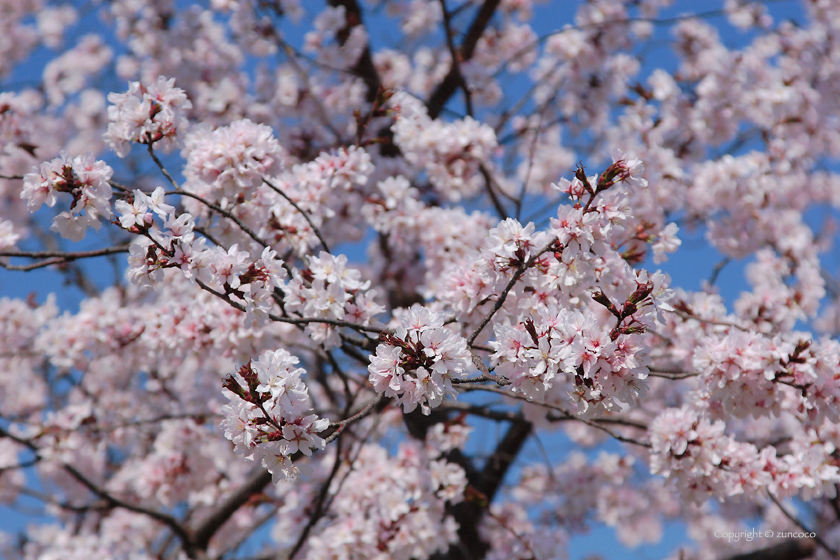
(419, 279)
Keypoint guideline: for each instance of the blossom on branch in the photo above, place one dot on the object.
(151, 114)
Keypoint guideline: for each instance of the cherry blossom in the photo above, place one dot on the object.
(417, 279)
(85, 179)
(417, 363)
(147, 114)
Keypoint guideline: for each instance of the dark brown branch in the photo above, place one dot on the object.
(503, 296)
(161, 517)
(483, 411)
(672, 374)
(68, 255)
(817, 539)
(453, 78)
(318, 511)
(24, 465)
(56, 257)
(490, 184)
(73, 273)
(207, 527)
(292, 320)
(315, 230)
(256, 483)
(483, 486)
(716, 270)
(166, 519)
(364, 67)
(252, 528)
(453, 52)
(794, 549)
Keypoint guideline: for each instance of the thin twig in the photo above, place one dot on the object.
(178, 190)
(224, 213)
(318, 511)
(489, 183)
(672, 374)
(341, 424)
(487, 375)
(302, 213)
(566, 415)
(503, 296)
(716, 270)
(119, 186)
(531, 151)
(162, 168)
(293, 320)
(802, 526)
(56, 257)
(207, 527)
(689, 316)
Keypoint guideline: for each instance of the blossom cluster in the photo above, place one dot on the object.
(284, 203)
(327, 26)
(749, 374)
(416, 364)
(604, 370)
(446, 235)
(329, 290)
(584, 235)
(248, 281)
(554, 324)
(324, 188)
(266, 418)
(226, 164)
(451, 153)
(85, 179)
(153, 114)
(392, 507)
(703, 460)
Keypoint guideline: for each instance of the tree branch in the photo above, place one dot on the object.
(450, 83)
(364, 67)
(484, 484)
(796, 521)
(293, 320)
(273, 187)
(503, 296)
(794, 549)
(318, 511)
(56, 257)
(207, 527)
